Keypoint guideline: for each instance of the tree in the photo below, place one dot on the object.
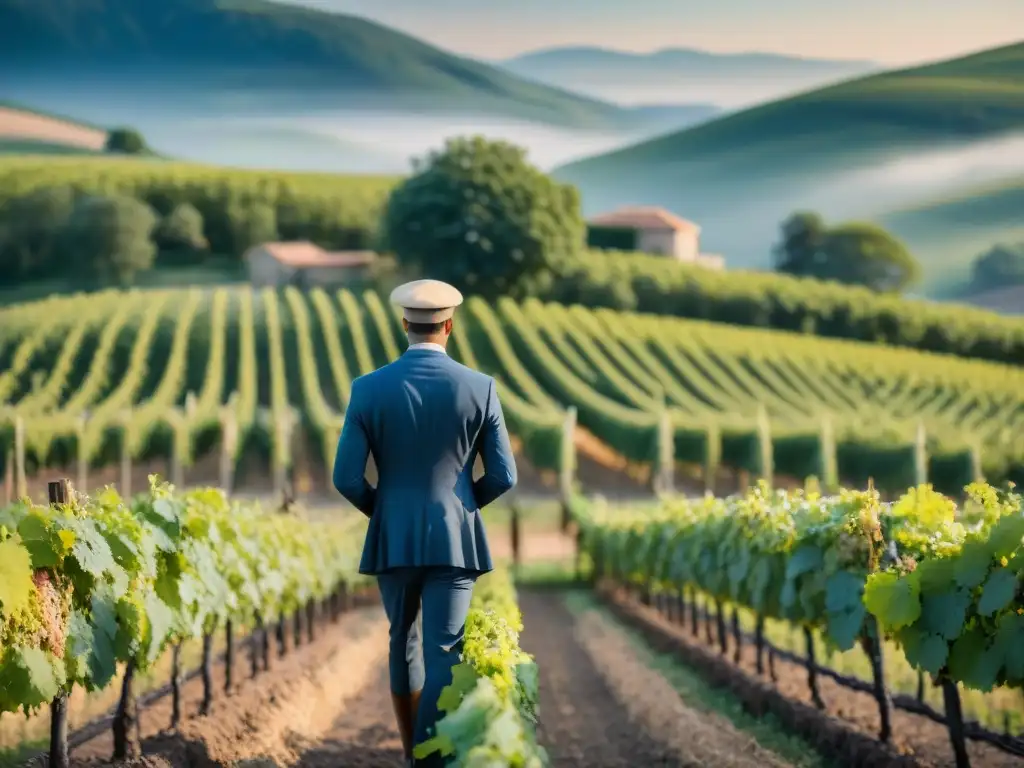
(126, 141)
(478, 215)
(855, 253)
(181, 230)
(800, 252)
(250, 224)
(1001, 265)
(31, 226)
(109, 238)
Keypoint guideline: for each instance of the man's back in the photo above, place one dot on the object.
(424, 418)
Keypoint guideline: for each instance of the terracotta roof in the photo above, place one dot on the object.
(643, 218)
(305, 254)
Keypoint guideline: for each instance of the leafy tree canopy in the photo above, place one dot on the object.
(1001, 265)
(855, 253)
(478, 215)
(126, 141)
(181, 230)
(109, 238)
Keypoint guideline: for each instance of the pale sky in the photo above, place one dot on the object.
(887, 31)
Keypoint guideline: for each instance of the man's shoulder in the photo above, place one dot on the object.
(470, 375)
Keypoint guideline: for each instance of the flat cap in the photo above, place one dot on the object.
(427, 301)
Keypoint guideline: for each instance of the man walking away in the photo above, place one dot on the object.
(425, 419)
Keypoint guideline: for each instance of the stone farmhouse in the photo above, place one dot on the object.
(652, 230)
(305, 265)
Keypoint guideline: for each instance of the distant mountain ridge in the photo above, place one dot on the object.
(679, 74)
(843, 150)
(262, 46)
(592, 54)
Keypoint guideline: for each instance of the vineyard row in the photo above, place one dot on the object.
(126, 376)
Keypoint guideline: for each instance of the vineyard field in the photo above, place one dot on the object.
(138, 375)
(942, 584)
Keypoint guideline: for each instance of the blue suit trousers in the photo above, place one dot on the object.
(426, 642)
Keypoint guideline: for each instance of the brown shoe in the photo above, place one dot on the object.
(405, 715)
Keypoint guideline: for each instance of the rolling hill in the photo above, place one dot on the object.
(269, 56)
(862, 148)
(27, 131)
(953, 230)
(674, 75)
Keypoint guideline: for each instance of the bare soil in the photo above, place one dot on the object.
(601, 707)
(18, 124)
(848, 726)
(270, 719)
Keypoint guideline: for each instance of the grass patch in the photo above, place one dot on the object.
(768, 732)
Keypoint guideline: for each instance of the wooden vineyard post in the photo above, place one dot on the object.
(514, 533)
(229, 446)
(59, 493)
(567, 469)
(765, 453)
(20, 484)
(712, 457)
(82, 476)
(977, 471)
(664, 447)
(828, 469)
(177, 470)
(9, 477)
(920, 455)
(282, 438)
(126, 455)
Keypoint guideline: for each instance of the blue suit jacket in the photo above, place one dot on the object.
(425, 418)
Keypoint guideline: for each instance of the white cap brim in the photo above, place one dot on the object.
(427, 301)
(414, 315)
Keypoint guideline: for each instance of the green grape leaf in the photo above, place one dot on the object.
(78, 649)
(130, 623)
(998, 592)
(103, 659)
(464, 679)
(43, 545)
(973, 563)
(528, 679)
(92, 551)
(125, 552)
(944, 613)
(843, 591)
(161, 622)
(936, 574)
(165, 510)
(1009, 641)
(924, 650)
(803, 560)
(972, 662)
(16, 586)
(28, 677)
(844, 626)
(893, 600)
(1006, 536)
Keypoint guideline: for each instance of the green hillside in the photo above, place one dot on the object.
(978, 95)
(806, 151)
(255, 46)
(958, 228)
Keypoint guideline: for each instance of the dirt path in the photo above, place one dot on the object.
(601, 707)
(364, 736)
(275, 716)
